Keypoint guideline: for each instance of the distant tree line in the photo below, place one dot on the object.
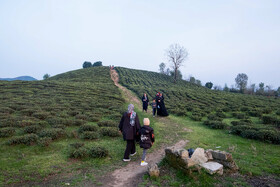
(87, 64)
(241, 85)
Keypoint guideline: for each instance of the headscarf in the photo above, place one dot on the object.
(158, 93)
(130, 111)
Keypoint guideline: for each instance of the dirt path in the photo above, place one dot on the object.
(132, 173)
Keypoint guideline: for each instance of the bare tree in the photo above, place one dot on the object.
(176, 55)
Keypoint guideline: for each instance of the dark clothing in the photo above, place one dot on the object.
(130, 148)
(129, 132)
(145, 102)
(161, 110)
(154, 111)
(146, 137)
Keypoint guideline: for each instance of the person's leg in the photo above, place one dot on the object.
(128, 149)
(133, 148)
(144, 154)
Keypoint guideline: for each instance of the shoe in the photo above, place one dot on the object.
(126, 159)
(133, 154)
(143, 163)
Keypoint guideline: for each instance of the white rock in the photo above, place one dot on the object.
(198, 157)
(213, 167)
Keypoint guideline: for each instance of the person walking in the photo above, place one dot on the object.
(145, 101)
(129, 127)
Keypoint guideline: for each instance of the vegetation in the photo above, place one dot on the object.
(190, 100)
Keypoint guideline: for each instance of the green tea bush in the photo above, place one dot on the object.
(98, 152)
(238, 129)
(81, 116)
(87, 127)
(266, 110)
(196, 117)
(255, 113)
(6, 110)
(52, 133)
(278, 112)
(215, 124)
(108, 123)
(25, 123)
(79, 153)
(110, 131)
(78, 122)
(44, 142)
(77, 145)
(28, 111)
(28, 139)
(41, 115)
(32, 129)
(271, 119)
(239, 115)
(236, 123)
(220, 115)
(214, 117)
(271, 136)
(7, 132)
(90, 135)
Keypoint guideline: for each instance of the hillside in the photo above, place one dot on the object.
(63, 130)
(255, 117)
(21, 78)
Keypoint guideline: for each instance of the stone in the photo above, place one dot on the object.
(153, 170)
(230, 165)
(213, 167)
(208, 154)
(221, 155)
(198, 156)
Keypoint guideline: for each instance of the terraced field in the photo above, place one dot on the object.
(254, 117)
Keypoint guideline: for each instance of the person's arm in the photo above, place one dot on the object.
(152, 136)
(137, 124)
(121, 124)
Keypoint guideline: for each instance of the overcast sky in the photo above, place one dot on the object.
(223, 37)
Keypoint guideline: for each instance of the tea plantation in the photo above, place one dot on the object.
(254, 117)
(41, 122)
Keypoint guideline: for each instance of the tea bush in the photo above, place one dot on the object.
(7, 132)
(28, 139)
(77, 145)
(271, 119)
(87, 127)
(52, 133)
(98, 152)
(45, 141)
(215, 124)
(108, 123)
(32, 129)
(80, 152)
(90, 135)
(110, 131)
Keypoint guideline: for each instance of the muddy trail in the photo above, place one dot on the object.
(132, 173)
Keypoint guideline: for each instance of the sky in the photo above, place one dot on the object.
(223, 38)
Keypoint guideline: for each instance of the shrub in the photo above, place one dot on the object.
(25, 123)
(78, 122)
(77, 145)
(110, 131)
(235, 123)
(238, 129)
(250, 133)
(41, 115)
(32, 129)
(90, 135)
(28, 139)
(196, 117)
(81, 116)
(266, 110)
(52, 133)
(271, 136)
(108, 123)
(87, 127)
(215, 124)
(7, 132)
(271, 119)
(45, 141)
(239, 115)
(278, 112)
(81, 152)
(214, 117)
(255, 113)
(98, 152)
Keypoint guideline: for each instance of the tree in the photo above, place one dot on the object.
(192, 79)
(260, 91)
(98, 63)
(179, 74)
(226, 88)
(87, 64)
(162, 68)
(198, 82)
(209, 85)
(278, 91)
(176, 55)
(241, 81)
(46, 76)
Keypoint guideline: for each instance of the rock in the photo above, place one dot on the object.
(179, 158)
(208, 154)
(198, 156)
(221, 155)
(230, 165)
(153, 170)
(213, 167)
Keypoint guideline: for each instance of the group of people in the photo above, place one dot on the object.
(158, 105)
(132, 131)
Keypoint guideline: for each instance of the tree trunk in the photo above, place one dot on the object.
(175, 75)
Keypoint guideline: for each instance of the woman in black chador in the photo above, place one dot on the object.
(145, 101)
(161, 110)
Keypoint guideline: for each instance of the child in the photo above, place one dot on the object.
(147, 139)
(154, 106)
